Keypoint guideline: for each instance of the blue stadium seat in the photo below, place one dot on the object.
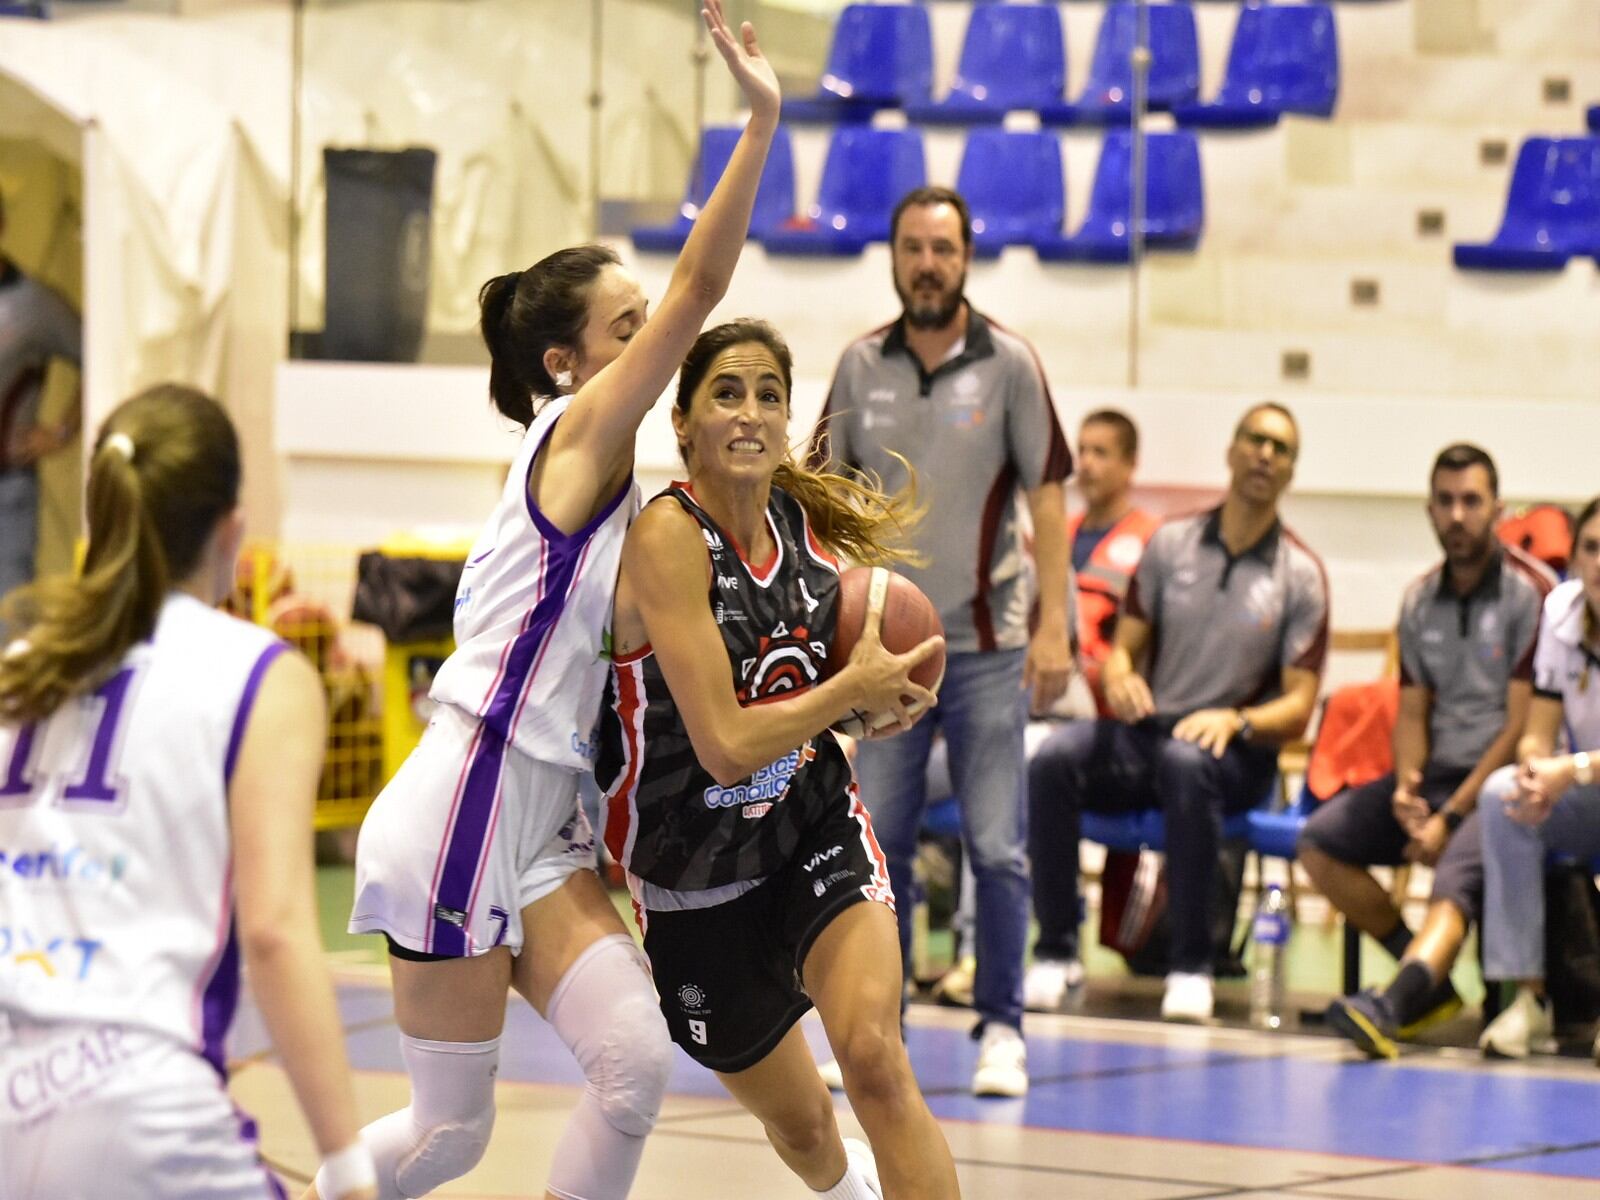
(866, 173)
(1594, 119)
(1174, 215)
(774, 198)
(1148, 829)
(1552, 212)
(882, 57)
(1283, 59)
(1013, 57)
(1273, 834)
(1013, 184)
(1174, 76)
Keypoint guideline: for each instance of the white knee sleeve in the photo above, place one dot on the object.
(605, 1010)
(445, 1131)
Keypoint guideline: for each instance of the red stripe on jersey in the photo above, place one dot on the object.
(879, 889)
(620, 817)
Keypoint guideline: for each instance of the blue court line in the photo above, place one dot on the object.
(1433, 1115)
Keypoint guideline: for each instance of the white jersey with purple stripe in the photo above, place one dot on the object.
(116, 892)
(533, 618)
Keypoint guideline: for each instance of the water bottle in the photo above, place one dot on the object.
(1270, 935)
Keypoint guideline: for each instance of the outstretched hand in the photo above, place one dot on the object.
(748, 66)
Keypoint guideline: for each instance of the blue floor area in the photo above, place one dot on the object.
(1475, 1116)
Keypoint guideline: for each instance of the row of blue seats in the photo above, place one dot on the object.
(1552, 210)
(1014, 58)
(1014, 183)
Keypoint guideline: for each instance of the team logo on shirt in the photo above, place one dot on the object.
(785, 661)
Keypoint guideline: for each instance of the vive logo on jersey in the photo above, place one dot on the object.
(72, 865)
(784, 662)
(767, 785)
(822, 856)
(59, 957)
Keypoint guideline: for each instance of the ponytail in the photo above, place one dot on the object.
(165, 470)
(855, 518)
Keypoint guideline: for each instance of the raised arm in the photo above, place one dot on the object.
(600, 426)
(664, 584)
(270, 801)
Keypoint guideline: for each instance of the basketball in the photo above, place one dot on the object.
(909, 618)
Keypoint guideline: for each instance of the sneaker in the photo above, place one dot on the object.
(1050, 983)
(1526, 1024)
(1367, 1020)
(859, 1156)
(955, 985)
(1002, 1063)
(1444, 1003)
(832, 1076)
(1188, 998)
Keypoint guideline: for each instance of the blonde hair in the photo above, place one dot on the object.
(853, 517)
(165, 470)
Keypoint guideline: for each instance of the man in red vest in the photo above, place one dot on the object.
(1107, 537)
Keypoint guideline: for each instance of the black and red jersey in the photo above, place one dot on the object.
(667, 820)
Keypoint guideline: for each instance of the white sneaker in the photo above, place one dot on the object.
(1002, 1063)
(832, 1076)
(859, 1156)
(955, 985)
(1050, 982)
(1188, 998)
(1525, 1025)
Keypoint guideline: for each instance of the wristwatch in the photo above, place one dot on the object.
(1247, 729)
(1582, 768)
(1452, 819)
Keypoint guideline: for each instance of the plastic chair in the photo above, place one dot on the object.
(881, 57)
(1594, 119)
(1174, 215)
(1013, 184)
(1552, 212)
(1283, 59)
(1013, 57)
(866, 173)
(1174, 76)
(774, 196)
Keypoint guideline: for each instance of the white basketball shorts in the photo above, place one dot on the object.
(467, 834)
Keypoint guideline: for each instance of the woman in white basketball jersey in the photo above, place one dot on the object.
(158, 770)
(476, 862)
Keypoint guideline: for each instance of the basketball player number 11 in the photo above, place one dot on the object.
(95, 787)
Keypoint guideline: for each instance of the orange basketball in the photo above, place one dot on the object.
(909, 618)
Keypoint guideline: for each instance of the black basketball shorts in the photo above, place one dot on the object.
(730, 975)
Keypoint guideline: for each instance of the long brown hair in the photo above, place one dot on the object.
(165, 470)
(855, 518)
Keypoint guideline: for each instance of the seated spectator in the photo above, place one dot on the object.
(1107, 538)
(1467, 631)
(1232, 611)
(1548, 802)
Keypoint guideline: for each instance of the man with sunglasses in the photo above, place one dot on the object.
(1218, 654)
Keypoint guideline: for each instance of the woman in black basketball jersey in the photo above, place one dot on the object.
(757, 879)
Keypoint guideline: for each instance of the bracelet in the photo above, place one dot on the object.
(1582, 768)
(348, 1170)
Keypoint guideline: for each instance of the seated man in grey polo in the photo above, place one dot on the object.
(1231, 610)
(1467, 635)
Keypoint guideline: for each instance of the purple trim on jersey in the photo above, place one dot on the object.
(467, 837)
(501, 712)
(219, 1002)
(241, 717)
(250, 1135)
(543, 523)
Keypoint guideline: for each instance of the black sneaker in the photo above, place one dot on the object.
(1444, 1003)
(1367, 1020)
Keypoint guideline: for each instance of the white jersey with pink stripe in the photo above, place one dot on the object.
(116, 896)
(533, 617)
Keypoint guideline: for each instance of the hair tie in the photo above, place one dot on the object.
(122, 444)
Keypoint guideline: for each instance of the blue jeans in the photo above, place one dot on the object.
(982, 711)
(19, 526)
(1513, 871)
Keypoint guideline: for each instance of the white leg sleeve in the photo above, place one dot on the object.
(605, 1010)
(445, 1131)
